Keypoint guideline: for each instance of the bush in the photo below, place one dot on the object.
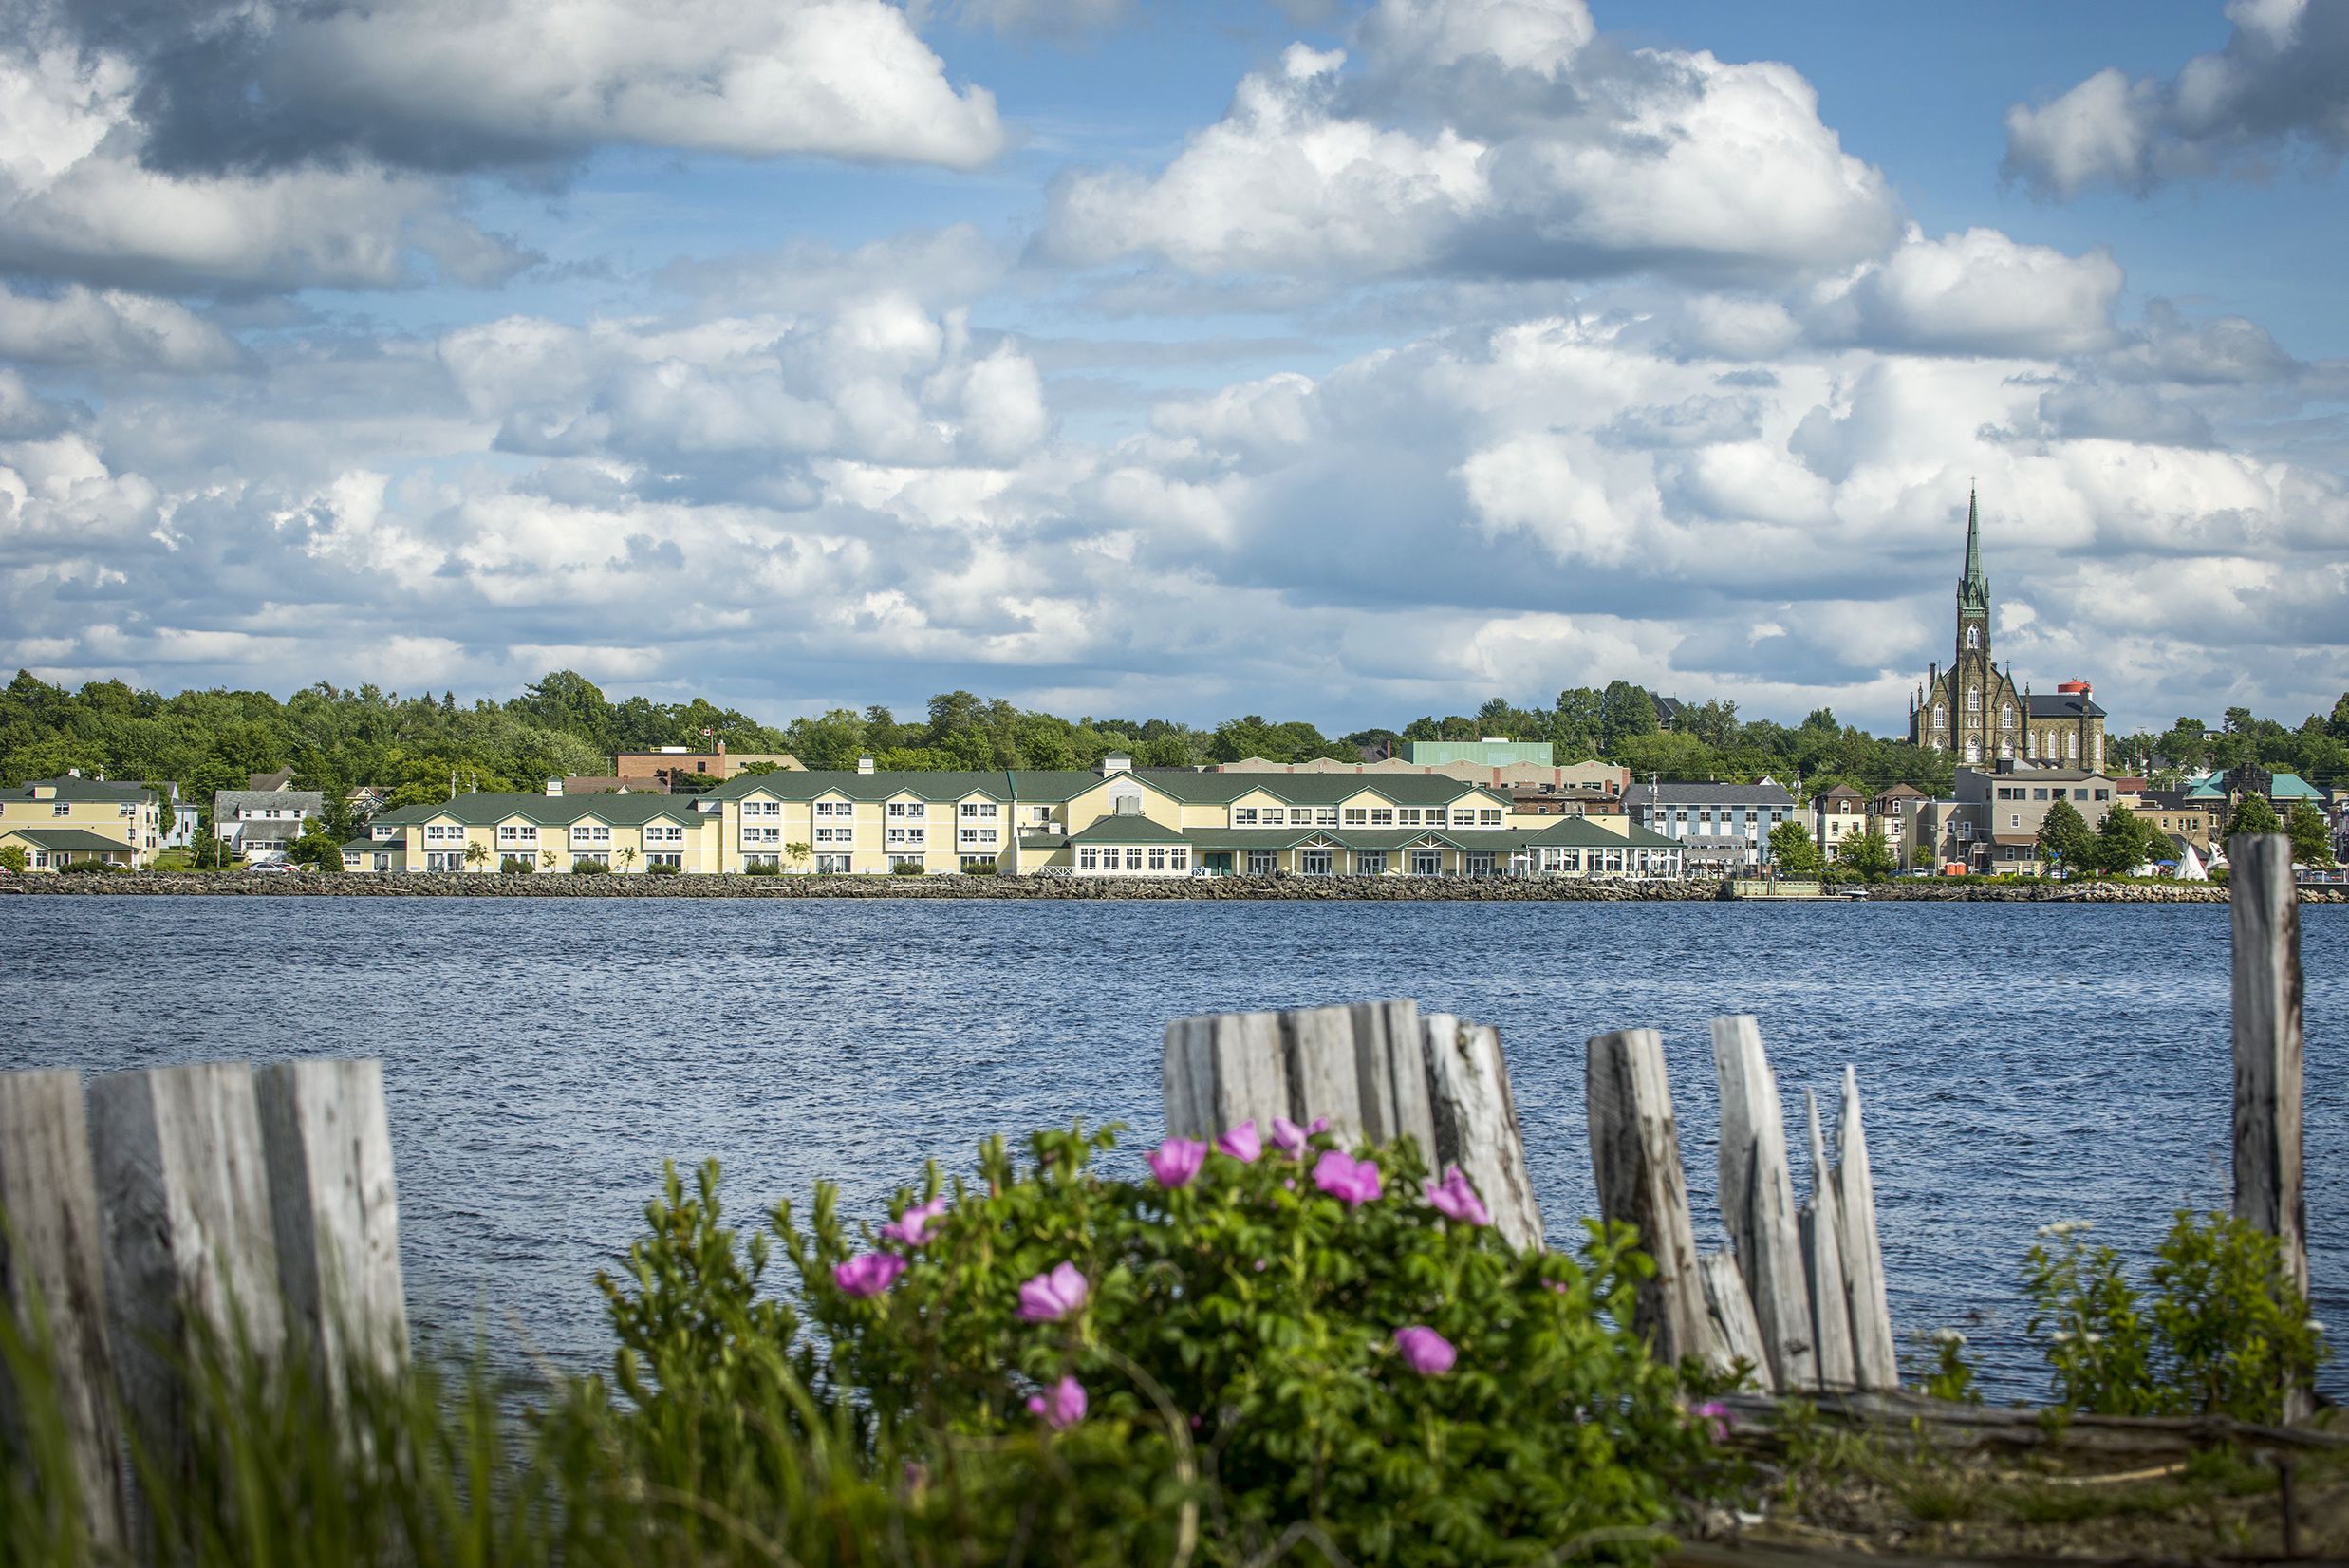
(766, 869)
(13, 858)
(516, 866)
(1401, 1383)
(590, 869)
(92, 869)
(663, 868)
(907, 869)
(2223, 1334)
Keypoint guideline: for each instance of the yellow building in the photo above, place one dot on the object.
(57, 821)
(1113, 821)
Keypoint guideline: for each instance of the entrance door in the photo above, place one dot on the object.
(1426, 863)
(1217, 864)
(1371, 865)
(1315, 863)
(1262, 863)
(1480, 864)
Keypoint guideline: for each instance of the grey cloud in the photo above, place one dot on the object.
(2227, 351)
(2278, 89)
(2120, 413)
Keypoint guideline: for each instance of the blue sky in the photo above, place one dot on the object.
(1346, 363)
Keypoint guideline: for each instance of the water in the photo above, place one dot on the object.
(2020, 1063)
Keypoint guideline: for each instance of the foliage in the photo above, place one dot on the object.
(1869, 854)
(905, 869)
(13, 858)
(318, 847)
(582, 867)
(2224, 1332)
(663, 868)
(2254, 816)
(91, 865)
(1792, 851)
(1946, 1374)
(762, 870)
(515, 865)
(2312, 836)
(2122, 842)
(2064, 837)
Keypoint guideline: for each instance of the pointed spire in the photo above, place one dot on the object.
(1973, 588)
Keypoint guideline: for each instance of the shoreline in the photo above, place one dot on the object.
(1207, 889)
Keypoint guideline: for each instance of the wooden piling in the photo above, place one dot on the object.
(1476, 1125)
(1873, 1354)
(2264, 907)
(1223, 1070)
(1823, 1265)
(1758, 1202)
(1636, 1157)
(1736, 1335)
(52, 1250)
(335, 1211)
(183, 1186)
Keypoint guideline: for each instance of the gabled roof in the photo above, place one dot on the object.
(548, 810)
(1126, 827)
(268, 800)
(1197, 788)
(377, 846)
(1040, 785)
(1679, 793)
(77, 840)
(84, 792)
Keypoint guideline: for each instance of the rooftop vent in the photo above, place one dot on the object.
(864, 764)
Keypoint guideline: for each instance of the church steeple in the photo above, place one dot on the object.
(1973, 588)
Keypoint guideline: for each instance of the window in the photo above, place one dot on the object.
(664, 834)
(762, 808)
(979, 835)
(1177, 860)
(1941, 716)
(1262, 863)
(914, 861)
(832, 835)
(1243, 816)
(1426, 863)
(1488, 816)
(834, 807)
(912, 839)
(1158, 859)
(439, 831)
(1973, 637)
(590, 832)
(2071, 747)
(978, 810)
(1324, 817)
(908, 810)
(1087, 858)
(1371, 865)
(1272, 817)
(1382, 816)
(762, 836)
(1463, 817)
(1315, 863)
(831, 866)
(64, 808)
(1356, 816)
(2006, 716)
(1133, 860)
(1409, 816)
(2014, 820)
(748, 861)
(515, 833)
(1973, 699)
(2039, 793)
(1477, 865)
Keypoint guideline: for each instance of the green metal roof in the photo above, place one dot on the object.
(1052, 785)
(69, 840)
(1119, 827)
(377, 846)
(548, 810)
(87, 792)
(1314, 789)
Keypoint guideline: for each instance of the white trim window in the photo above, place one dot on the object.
(762, 836)
(1408, 816)
(1488, 816)
(835, 808)
(676, 860)
(976, 835)
(1133, 860)
(1087, 858)
(749, 860)
(834, 835)
(1463, 817)
(978, 810)
(762, 808)
(1382, 816)
(664, 832)
(1263, 863)
(1325, 816)
(1179, 859)
(909, 811)
(1243, 816)
(1273, 816)
(911, 838)
(1426, 863)
(517, 835)
(590, 836)
(1357, 816)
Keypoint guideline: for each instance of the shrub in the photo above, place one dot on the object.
(590, 869)
(90, 868)
(2224, 1332)
(516, 866)
(907, 869)
(663, 868)
(13, 858)
(1403, 1383)
(763, 870)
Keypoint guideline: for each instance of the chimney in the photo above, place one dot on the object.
(1118, 762)
(864, 764)
(555, 786)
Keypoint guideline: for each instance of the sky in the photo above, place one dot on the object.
(1344, 363)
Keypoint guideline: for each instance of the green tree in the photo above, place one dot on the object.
(2311, 837)
(2063, 837)
(1626, 711)
(318, 847)
(2254, 816)
(12, 857)
(2124, 841)
(1792, 851)
(1869, 854)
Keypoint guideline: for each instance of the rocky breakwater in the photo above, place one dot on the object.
(2074, 893)
(445, 884)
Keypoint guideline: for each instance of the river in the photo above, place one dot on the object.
(2020, 1063)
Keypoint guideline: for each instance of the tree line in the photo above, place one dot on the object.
(417, 747)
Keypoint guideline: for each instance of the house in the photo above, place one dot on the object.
(185, 819)
(57, 821)
(1892, 807)
(1838, 813)
(1113, 820)
(2005, 808)
(1723, 826)
(261, 824)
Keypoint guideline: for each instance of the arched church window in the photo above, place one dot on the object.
(2007, 751)
(1941, 716)
(1973, 637)
(2071, 747)
(1973, 750)
(1973, 699)
(2006, 716)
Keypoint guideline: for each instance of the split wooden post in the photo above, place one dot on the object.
(53, 1251)
(1476, 1125)
(1873, 1354)
(2264, 907)
(184, 1188)
(1822, 1265)
(1636, 1157)
(1738, 1336)
(1223, 1070)
(335, 1211)
(1758, 1202)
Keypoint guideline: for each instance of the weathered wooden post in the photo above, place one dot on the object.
(190, 1246)
(1378, 1071)
(53, 1249)
(1636, 1157)
(1476, 1126)
(2264, 907)
(1823, 1265)
(1758, 1202)
(1874, 1353)
(335, 1211)
(1738, 1335)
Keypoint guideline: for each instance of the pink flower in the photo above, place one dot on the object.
(869, 1275)
(1290, 1138)
(1061, 1406)
(1715, 1414)
(1424, 1350)
(1176, 1160)
(1341, 1175)
(913, 1227)
(1456, 1200)
(1049, 1298)
(1242, 1143)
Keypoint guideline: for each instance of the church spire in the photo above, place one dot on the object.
(1973, 588)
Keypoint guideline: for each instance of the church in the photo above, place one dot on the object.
(1974, 709)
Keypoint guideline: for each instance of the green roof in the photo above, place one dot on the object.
(1056, 784)
(379, 846)
(1314, 789)
(547, 811)
(1064, 784)
(2280, 786)
(82, 790)
(1126, 827)
(71, 840)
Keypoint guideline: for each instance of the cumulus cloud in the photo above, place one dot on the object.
(447, 84)
(1493, 137)
(82, 327)
(2280, 88)
(1978, 292)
